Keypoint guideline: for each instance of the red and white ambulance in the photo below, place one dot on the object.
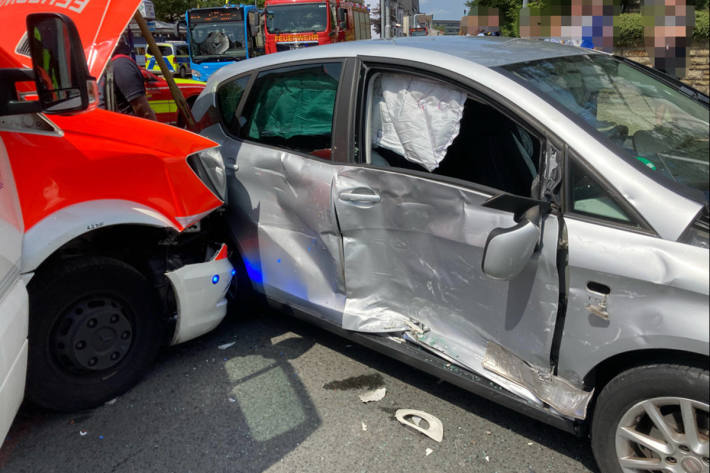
(105, 219)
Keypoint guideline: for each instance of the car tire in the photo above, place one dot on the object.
(94, 331)
(644, 414)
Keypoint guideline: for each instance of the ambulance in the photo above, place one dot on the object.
(108, 243)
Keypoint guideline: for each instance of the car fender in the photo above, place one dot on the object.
(62, 226)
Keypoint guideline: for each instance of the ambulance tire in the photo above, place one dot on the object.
(94, 331)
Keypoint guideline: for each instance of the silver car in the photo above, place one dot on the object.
(523, 219)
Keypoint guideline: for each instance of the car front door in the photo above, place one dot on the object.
(416, 215)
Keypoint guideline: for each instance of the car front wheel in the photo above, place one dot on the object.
(653, 418)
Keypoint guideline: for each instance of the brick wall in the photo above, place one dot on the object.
(697, 68)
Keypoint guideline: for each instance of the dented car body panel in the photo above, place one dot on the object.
(367, 241)
(658, 298)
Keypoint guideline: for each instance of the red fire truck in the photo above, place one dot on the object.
(294, 24)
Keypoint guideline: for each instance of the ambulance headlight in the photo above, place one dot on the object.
(209, 167)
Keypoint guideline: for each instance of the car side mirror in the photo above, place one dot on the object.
(60, 71)
(508, 250)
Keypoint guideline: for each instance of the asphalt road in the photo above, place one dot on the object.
(284, 398)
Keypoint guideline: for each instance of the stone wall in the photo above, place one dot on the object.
(697, 68)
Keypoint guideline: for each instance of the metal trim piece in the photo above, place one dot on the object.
(553, 390)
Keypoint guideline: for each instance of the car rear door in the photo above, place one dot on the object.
(13, 299)
(280, 149)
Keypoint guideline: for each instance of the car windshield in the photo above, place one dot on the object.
(218, 41)
(297, 18)
(648, 119)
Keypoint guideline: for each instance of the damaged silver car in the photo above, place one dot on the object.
(523, 219)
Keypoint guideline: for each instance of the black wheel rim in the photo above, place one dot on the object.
(93, 334)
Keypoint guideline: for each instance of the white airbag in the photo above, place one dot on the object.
(416, 118)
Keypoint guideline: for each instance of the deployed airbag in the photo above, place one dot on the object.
(415, 118)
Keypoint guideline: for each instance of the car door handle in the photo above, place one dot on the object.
(356, 197)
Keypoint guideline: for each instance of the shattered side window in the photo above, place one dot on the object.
(228, 97)
(431, 126)
(415, 118)
(293, 107)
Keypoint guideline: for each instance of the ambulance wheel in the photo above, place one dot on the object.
(94, 331)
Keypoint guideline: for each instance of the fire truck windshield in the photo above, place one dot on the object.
(222, 41)
(297, 18)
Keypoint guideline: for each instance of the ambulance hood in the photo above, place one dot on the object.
(99, 22)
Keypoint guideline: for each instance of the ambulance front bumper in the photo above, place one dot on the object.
(200, 294)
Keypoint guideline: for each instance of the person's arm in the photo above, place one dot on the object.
(128, 78)
(142, 109)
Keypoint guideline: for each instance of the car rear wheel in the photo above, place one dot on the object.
(94, 331)
(653, 418)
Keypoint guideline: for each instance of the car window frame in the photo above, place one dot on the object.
(240, 105)
(636, 223)
(344, 90)
(371, 66)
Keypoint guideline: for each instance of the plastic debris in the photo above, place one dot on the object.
(231, 399)
(364, 426)
(530, 443)
(83, 433)
(224, 346)
(429, 451)
(111, 402)
(373, 396)
(435, 430)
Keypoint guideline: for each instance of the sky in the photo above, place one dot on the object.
(441, 9)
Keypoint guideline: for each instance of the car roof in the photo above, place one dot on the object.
(486, 51)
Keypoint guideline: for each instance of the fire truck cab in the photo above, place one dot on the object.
(295, 24)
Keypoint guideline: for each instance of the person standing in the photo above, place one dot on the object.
(122, 87)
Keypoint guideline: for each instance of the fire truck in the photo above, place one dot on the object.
(294, 24)
(107, 249)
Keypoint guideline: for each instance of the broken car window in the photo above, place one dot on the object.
(293, 108)
(415, 118)
(430, 126)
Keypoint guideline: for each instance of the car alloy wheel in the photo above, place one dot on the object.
(668, 434)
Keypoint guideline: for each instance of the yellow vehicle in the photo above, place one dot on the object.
(176, 57)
